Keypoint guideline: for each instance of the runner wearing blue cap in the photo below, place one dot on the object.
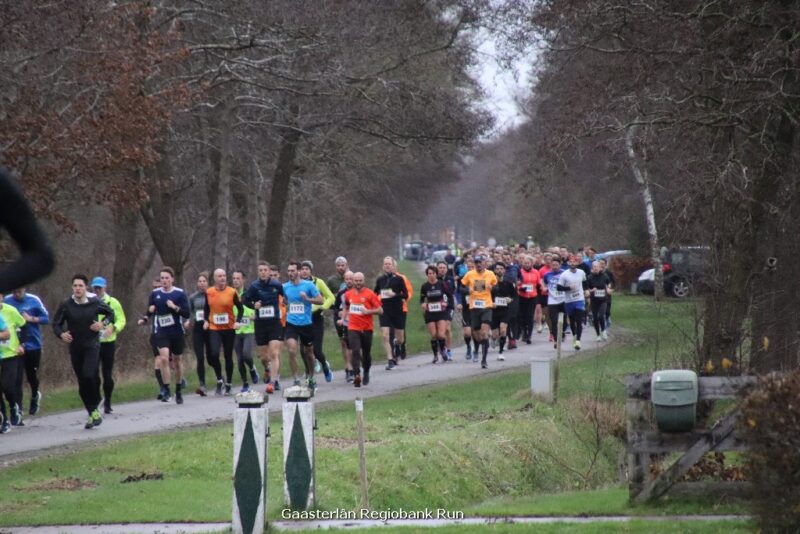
(108, 338)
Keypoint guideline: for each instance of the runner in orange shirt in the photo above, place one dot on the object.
(360, 304)
(221, 321)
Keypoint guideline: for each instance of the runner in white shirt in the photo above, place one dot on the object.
(573, 284)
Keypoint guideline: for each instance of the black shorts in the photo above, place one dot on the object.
(479, 317)
(153, 344)
(542, 300)
(436, 316)
(303, 334)
(173, 341)
(465, 317)
(499, 315)
(396, 320)
(267, 330)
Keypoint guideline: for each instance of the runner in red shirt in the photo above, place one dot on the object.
(360, 304)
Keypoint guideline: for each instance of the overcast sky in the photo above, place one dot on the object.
(503, 86)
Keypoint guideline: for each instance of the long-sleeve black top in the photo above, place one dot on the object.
(78, 318)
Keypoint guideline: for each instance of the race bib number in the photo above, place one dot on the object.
(266, 312)
(527, 288)
(165, 320)
(599, 293)
(575, 294)
(501, 301)
(434, 307)
(387, 293)
(220, 318)
(478, 304)
(357, 309)
(245, 321)
(199, 316)
(6, 343)
(296, 308)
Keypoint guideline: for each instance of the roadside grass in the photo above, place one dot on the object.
(142, 385)
(484, 446)
(633, 526)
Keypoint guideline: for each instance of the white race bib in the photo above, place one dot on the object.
(245, 321)
(199, 315)
(575, 294)
(599, 293)
(296, 308)
(434, 307)
(220, 318)
(357, 309)
(266, 312)
(5, 343)
(165, 320)
(479, 304)
(528, 288)
(387, 293)
(501, 301)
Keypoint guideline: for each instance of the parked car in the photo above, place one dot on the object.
(611, 253)
(438, 256)
(684, 271)
(414, 251)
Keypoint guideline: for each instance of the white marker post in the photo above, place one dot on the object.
(362, 454)
(298, 448)
(542, 375)
(559, 334)
(250, 423)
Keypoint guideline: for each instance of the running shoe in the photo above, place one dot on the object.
(312, 384)
(218, 391)
(599, 337)
(539, 329)
(469, 353)
(178, 397)
(328, 373)
(201, 390)
(501, 358)
(475, 359)
(449, 355)
(254, 375)
(484, 365)
(604, 335)
(348, 376)
(391, 365)
(166, 396)
(35, 402)
(97, 420)
(107, 408)
(5, 427)
(527, 340)
(357, 381)
(365, 380)
(245, 389)
(16, 416)
(577, 345)
(270, 389)
(89, 423)
(160, 394)
(435, 359)
(228, 390)
(183, 382)
(277, 386)
(296, 381)
(317, 367)
(551, 339)
(512, 344)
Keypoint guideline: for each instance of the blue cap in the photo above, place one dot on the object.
(98, 281)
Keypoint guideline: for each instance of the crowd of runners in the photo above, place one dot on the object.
(501, 297)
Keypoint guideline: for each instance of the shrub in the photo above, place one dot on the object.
(770, 424)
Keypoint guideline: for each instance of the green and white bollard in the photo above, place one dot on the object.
(250, 424)
(298, 448)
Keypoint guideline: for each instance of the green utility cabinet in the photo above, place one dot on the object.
(674, 396)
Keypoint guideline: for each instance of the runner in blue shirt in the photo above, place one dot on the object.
(34, 312)
(300, 295)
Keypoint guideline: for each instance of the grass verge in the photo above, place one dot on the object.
(483, 446)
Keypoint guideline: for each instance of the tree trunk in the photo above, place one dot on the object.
(281, 181)
(641, 176)
(158, 214)
(125, 255)
(223, 215)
